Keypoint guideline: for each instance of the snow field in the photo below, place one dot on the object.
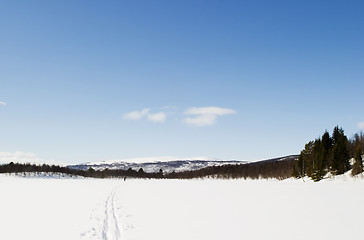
(237, 209)
(179, 209)
(41, 208)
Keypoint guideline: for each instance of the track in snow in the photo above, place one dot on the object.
(112, 229)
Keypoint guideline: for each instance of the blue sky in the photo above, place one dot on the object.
(97, 80)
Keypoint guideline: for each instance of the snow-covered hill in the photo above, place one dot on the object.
(150, 167)
(167, 165)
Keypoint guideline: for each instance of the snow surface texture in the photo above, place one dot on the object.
(50, 208)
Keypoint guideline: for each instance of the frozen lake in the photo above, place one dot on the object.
(41, 208)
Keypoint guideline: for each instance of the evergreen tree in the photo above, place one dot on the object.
(308, 158)
(90, 172)
(327, 144)
(358, 162)
(295, 172)
(319, 168)
(336, 135)
(356, 141)
(299, 167)
(326, 141)
(323, 155)
(304, 165)
(340, 152)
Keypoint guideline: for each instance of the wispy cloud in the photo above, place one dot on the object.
(205, 116)
(157, 117)
(361, 125)
(136, 115)
(197, 116)
(201, 120)
(3, 103)
(209, 110)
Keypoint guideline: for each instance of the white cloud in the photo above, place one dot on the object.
(361, 125)
(157, 117)
(205, 116)
(153, 117)
(201, 120)
(209, 111)
(136, 115)
(3, 103)
(20, 157)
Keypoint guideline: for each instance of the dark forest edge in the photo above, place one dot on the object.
(280, 168)
(325, 155)
(330, 155)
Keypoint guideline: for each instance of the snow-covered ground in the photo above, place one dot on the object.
(50, 208)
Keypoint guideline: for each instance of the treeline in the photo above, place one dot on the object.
(275, 168)
(330, 154)
(106, 173)
(27, 167)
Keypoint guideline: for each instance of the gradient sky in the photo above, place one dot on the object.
(98, 80)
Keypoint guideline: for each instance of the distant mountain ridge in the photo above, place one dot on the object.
(151, 167)
(166, 166)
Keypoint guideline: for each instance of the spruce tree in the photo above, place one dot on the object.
(327, 143)
(307, 159)
(337, 133)
(358, 162)
(340, 152)
(319, 168)
(299, 168)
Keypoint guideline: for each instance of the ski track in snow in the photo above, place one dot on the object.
(112, 229)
